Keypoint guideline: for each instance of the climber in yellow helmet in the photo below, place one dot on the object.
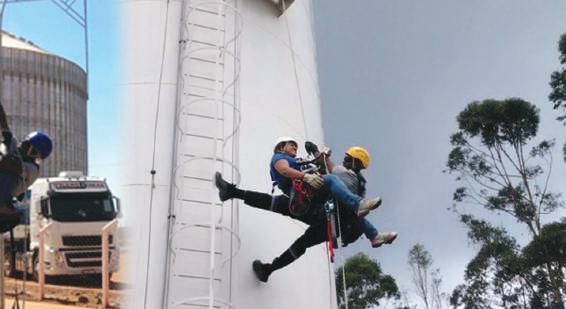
(353, 223)
(355, 160)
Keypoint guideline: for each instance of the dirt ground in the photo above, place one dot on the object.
(65, 292)
(77, 292)
(9, 302)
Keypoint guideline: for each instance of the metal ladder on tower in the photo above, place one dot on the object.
(201, 243)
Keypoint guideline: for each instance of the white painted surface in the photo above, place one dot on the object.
(143, 28)
(271, 106)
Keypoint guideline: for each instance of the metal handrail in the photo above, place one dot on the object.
(41, 257)
(105, 232)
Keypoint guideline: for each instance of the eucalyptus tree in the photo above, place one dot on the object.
(501, 171)
(426, 279)
(558, 80)
(366, 284)
(558, 84)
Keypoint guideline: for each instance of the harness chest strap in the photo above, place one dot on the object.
(298, 186)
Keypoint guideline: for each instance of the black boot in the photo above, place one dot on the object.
(261, 270)
(226, 190)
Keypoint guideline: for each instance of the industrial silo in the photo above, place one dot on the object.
(45, 92)
(209, 86)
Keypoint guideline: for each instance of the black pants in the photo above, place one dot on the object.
(315, 234)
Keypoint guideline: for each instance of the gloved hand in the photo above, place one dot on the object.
(326, 151)
(313, 180)
(311, 147)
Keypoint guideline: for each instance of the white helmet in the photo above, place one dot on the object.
(283, 139)
(286, 139)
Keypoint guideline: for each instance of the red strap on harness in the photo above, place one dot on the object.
(298, 186)
(330, 239)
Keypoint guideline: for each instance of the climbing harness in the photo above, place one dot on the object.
(300, 199)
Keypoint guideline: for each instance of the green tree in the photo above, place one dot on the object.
(558, 80)
(426, 279)
(558, 85)
(491, 159)
(366, 284)
(495, 271)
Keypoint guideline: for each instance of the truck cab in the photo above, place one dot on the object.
(76, 208)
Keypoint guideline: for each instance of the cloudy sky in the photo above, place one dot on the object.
(394, 75)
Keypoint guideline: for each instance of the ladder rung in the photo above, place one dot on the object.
(198, 178)
(202, 116)
(214, 138)
(199, 202)
(200, 305)
(198, 250)
(201, 87)
(206, 60)
(191, 155)
(205, 43)
(191, 94)
(210, 79)
(200, 96)
(205, 11)
(197, 277)
(207, 27)
(202, 226)
(206, 78)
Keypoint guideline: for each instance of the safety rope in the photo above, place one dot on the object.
(295, 71)
(297, 83)
(344, 289)
(152, 171)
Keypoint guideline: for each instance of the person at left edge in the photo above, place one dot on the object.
(19, 168)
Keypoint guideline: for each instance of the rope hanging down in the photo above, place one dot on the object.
(344, 289)
(284, 6)
(292, 49)
(152, 171)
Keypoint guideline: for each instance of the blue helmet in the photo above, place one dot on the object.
(41, 142)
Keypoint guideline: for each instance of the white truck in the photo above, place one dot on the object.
(76, 208)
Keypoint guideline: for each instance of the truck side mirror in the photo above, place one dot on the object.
(45, 208)
(117, 206)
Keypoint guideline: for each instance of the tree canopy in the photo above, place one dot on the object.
(558, 80)
(426, 280)
(365, 282)
(503, 170)
(558, 85)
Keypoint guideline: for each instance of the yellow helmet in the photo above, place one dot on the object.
(359, 153)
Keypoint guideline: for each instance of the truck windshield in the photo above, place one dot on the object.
(70, 208)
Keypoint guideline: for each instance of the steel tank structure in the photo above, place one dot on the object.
(209, 86)
(45, 92)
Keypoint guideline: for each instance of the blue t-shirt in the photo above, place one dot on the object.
(282, 182)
